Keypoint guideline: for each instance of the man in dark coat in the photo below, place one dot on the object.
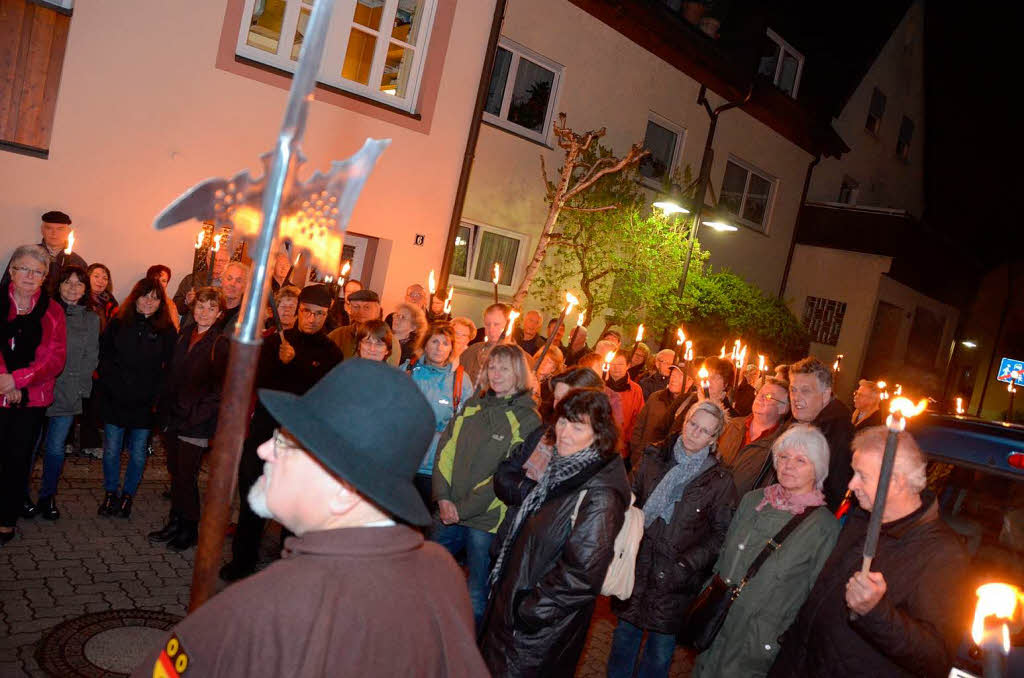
(745, 392)
(812, 402)
(54, 228)
(293, 365)
(658, 378)
(359, 592)
(904, 617)
(867, 400)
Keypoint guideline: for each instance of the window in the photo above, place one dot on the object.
(781, 64)
(875, 112)
(747, 194)
(848, 191)
(903, 142)
(375, 48)
(33, 55)
(479, 247)
(664, 140)
(823, 319)
(523, 91)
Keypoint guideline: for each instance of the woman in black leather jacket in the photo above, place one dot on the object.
(550, 567)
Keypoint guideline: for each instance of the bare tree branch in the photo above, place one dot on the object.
(631, 158)
(591, 209)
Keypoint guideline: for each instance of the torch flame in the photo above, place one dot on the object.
(995, 600)
(721, 353)
(760, 363)
(571, 299)
(702, 373)
(881, 384)
(688, 354)
(640, 333)
(511, 322)
(431, 284)
(216, 242)
(608, 358)
(71, 242)
(328, 279)
(346, 268)
(682, 337)
(497, 273)
(199, 238)
(906, 407)
(448, 301)
(959, 405)
(898, 390)
(579, 321)
(741, 357)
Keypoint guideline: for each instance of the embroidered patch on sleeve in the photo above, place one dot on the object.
(173, 660)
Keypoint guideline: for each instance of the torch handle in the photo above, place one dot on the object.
(277, 316)
(551, 339)
(878, 508)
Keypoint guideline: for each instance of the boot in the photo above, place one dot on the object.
(28, 509)
(187, 536)
(168, 531)
(125, 509)
(109, 505)
(48, 508)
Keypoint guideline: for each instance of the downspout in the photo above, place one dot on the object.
(999, 336)
(471, 140)
(796, 226)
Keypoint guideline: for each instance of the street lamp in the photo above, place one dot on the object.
(714, 221)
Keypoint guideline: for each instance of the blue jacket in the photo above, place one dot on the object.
(438, 386)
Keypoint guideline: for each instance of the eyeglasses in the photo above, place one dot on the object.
(769, 397)
(315, 314)
(700, 429)
(282, 443)
(28, 272)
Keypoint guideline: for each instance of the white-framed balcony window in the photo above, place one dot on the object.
(478, 247)
(747, 194)
(375, 48)
(781, 64)
(664, 139)
(523, 91)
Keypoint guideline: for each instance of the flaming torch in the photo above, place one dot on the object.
(721, 354)
(608, 358)
(288, 277)
(512, 315)
(884, 395)
(835, 366)
(570, 301)
(900, 410)
(346, 267)
(579, 324)
(705, 383)
(195, 258)
(680, 343)
(71, 243)
(495, 279)
(739, 360)
(959, 405)
(636, 343)
(431, 288)
(996, 610)
(761, 367)
(213, 257)
(448, 302)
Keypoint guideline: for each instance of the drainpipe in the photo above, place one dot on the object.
(999, 336)
(474, 134)
(796, 226)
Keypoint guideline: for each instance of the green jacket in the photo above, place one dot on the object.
(748, 642)
(470, 450)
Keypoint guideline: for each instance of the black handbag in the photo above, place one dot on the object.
(704, 617)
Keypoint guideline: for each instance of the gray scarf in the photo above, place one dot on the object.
(559, 470)
(662, 502)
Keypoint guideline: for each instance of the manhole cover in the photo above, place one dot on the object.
(103, 644)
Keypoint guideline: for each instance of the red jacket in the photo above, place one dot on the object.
(626, 405)
(41, 375)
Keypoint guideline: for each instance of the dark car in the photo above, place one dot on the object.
(976, 469)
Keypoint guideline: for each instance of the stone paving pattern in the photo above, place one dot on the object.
(54, 571)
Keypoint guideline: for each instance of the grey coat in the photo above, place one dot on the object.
(748, 642)
(83, 352)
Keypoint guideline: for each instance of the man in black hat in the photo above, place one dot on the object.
(359, 592)
(292, 364)
(54, 228)
(365, 305)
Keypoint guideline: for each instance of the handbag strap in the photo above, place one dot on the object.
(772, 546)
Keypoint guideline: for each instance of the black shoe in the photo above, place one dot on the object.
(109, 505)
(48, 508)
(6, 537)
(28, 509)
(124, 510)
(168, 531)
(187, 536)
(234, 571)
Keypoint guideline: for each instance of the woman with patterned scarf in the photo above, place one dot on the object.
(550, 567)
(688, 499)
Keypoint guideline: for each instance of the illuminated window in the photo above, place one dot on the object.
(479, 247)
(375, 48)
(523, 91)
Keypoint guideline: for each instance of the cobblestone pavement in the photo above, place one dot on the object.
(82, 563)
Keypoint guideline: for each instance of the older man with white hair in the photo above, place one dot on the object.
(867, 400)
(902, 618)
(658, 377)
(359, 592)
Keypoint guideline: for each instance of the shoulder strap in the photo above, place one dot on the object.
(763, 473)
(457, 388)
(773, 545)
(412, 364)
(576, 508)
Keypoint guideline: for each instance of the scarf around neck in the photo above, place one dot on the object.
(559, 470)
(662, 502)
(780, 498)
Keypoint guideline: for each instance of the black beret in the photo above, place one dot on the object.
(364, 295)
(318, 295)
(56, 218)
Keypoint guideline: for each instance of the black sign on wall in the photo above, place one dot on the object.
(823, 319)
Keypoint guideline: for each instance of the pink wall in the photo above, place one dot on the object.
(144, 113)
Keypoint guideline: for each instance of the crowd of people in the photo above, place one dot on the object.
(519, 457)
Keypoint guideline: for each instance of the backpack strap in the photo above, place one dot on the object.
(457, 388)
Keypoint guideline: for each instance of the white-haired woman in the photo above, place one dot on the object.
(748, 641)
(688, 499)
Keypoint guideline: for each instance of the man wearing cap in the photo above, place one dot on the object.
(359, 592)
(365, 306)
(55, 227)
(292, 364)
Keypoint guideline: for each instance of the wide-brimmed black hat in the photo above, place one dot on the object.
(370, 425)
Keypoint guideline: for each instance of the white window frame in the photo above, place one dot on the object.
(769, 208)
(501, 120)
(468, 281)
(677, 153)
(783, 48)
(337, 43)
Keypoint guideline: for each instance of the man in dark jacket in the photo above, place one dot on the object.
(658, 378)
(745, 392)
(293, 365)
(359, 592)
(904, 617)
(55, 228)
(655, 418)
(812, 402)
